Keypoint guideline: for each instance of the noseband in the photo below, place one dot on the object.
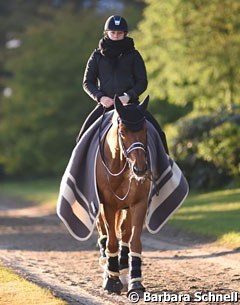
(133, 146)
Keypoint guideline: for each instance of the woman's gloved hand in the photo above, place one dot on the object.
(106, 101)
(124, 99)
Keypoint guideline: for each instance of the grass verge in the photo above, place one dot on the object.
(15, 290)
(212, 214)
(41, 192)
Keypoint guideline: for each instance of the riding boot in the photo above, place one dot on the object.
(92, 117)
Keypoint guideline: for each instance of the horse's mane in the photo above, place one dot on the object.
(115, 118)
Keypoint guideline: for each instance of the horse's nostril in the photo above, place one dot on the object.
(138, 171)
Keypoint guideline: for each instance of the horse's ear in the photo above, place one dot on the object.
(143, 105)
(118, 105)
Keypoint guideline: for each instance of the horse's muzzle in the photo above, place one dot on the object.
(140, 172)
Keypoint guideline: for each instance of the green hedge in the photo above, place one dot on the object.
(207, 148)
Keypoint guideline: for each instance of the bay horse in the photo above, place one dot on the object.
(123, 186)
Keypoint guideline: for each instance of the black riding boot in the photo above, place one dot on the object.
(92, 117)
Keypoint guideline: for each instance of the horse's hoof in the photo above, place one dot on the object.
(136, 287)
(112, 285)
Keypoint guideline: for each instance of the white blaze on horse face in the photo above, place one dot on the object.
(138, 165)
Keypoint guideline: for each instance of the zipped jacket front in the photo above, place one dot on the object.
(105, 76)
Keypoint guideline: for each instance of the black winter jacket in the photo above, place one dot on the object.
(106, 77)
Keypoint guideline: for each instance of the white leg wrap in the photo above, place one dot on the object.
(124, 271)
(137, 279)
(135, 254)
(102, 237)
(111, 273)
(122, 243)
(109, 254)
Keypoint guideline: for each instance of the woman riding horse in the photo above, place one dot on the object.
(117, 68)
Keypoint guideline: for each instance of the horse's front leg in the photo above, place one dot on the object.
(124, 249)
(112, 282)
(102, 240)
(138, 212)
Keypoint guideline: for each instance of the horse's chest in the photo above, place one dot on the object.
(123, 193)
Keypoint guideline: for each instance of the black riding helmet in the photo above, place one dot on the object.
(116, 23)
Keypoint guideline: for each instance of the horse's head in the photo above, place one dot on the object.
(132, 134)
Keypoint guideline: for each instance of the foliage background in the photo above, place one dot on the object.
(191, 50)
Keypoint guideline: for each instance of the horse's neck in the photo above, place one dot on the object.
(113, 150)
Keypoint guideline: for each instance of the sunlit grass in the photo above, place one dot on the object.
(15, 290)
(213, 214)
(42, 192)
(231, 238)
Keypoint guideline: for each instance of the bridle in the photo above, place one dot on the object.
(133, 146)
(126, 151)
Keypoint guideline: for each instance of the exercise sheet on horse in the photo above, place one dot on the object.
(78, 202)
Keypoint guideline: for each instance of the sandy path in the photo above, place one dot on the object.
(34, 242)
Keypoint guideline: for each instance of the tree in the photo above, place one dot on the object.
(192, 51)
(48, 105)
(213, 41)
(40, 121)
